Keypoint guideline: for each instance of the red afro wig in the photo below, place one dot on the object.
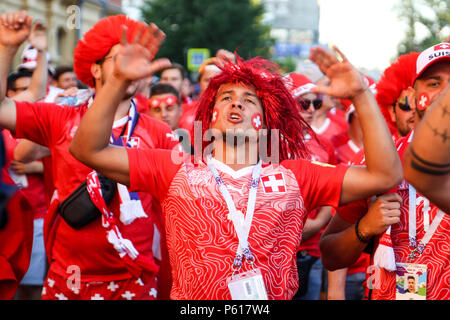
(397, 77)
(97, 42)
(280, 109)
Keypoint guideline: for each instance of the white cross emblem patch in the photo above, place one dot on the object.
(274, 183)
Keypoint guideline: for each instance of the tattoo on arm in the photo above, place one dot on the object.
(424, 166)
(442, 134)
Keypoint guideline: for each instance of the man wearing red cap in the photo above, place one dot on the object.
(213, 243)
(110, 257)
(409, 223)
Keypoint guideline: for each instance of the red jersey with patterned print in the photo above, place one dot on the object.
(202, 241)
(437, 252)
(54, 126)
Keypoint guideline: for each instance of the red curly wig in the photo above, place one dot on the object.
(97, 42)
(280, 108)
(396, 78)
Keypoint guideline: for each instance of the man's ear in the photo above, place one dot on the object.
(392, 113)
(96, 71)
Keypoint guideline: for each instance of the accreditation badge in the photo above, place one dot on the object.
(411, 281)
(247, 286)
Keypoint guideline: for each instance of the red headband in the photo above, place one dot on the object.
(156, 101)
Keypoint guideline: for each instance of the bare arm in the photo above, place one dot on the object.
(27, 151)
(336, 284)
(90, 144)
(313, 226)
(427, 159)
(382, 172)
(14, 30)
(339, 244)
(38, 85)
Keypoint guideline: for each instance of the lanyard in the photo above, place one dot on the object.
(429, 229)
(133, 117)
(242, 225)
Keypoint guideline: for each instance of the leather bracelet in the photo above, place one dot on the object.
(358, 235)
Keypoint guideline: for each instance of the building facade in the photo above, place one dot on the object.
(66, 22)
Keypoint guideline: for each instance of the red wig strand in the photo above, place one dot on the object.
(397, 77)
(280, 109)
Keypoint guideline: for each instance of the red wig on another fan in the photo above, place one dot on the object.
(280, 108)
(397, 77)
(98, 41)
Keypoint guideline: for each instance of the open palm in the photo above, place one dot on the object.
(345, 81)
(134, 60)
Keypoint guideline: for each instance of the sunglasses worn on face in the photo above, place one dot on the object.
(305, 103)
(168, 101)
(404, 105)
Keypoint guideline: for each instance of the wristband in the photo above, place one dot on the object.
(358, 235)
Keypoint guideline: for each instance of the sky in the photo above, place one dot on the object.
(366, 31)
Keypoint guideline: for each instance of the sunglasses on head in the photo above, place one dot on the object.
(305, 103)
(155, 102)
(403, 104)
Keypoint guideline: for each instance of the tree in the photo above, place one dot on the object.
(219, 24)
(431, 15)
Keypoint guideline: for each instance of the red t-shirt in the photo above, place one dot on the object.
(347, 152)
(54, 126)
(187, 118)
(35, 191)
(332, 131)
(436, 254)
(321, 151)
(16, 241)
(201, 240)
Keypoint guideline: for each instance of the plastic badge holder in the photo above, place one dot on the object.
(247, 286)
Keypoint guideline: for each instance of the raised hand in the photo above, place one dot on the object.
(15, 27)
(38, 37)
(345, 81)
(134, 59)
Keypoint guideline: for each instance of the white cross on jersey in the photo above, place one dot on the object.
(274, 183)
(97, 296)
(152, 292)
(134, 142)
(112, 286)
(128, 295)
(61, 296)
(423, 101)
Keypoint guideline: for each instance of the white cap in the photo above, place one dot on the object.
(432, 55)
(29, 59)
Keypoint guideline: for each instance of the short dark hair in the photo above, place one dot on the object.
(163, 88)
(61, 70)
(178, 66)
(12, 77)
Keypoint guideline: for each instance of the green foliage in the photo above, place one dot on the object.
(219, 24)
(286, 65)
(417, 13)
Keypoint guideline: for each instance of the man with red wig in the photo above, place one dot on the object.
(211, 242)
(407, 227)
(109, 256)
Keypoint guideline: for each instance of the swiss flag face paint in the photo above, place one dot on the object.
(257, 121)
(423, 102)
(215, 116)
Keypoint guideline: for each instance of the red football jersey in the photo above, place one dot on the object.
(437, 252)
(201, 240)
(54, 126)
(35, 190)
